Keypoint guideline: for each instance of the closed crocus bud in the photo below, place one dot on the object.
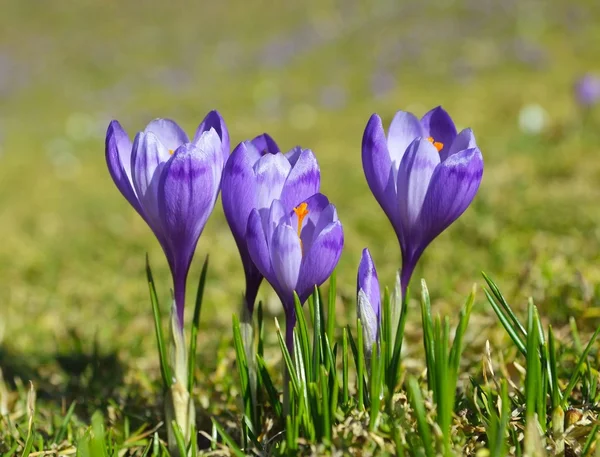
(368, 302)
(295, 250)
(255, 175)
(423, 174)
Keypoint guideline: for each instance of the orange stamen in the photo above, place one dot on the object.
(171, 151)
(437, 144)
(301, 211)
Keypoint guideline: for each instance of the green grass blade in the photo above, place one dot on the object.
(375, 384)
(393, 370)
(300, 369)
(28, 444)
(62, 430)
(288, 360)
(360, 369)
(12, 451)
(577, 370)
(463, 323)
(417, 403)
(302, 329)
(228, 440)
(555, 397)
(386, 327)
(516, 324)
(267, 382)
(244, 373)
(428, 336)
(196, 325)
(345, 391)
(575, 335)
(507, 324)
(160, 339)
(325, 405)
(317, 352)
(331, 307)
(499, 424)
(179, 439)
(533, 377)
(261, 329)
(586, 450)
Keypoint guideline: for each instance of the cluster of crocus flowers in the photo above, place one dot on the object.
(423, 174)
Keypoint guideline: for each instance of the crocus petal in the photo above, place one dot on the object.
(294, 154)
(272, 217)
(265, 144)
(320, 214)
(405, 127)
(187, 194)
(453, 186)
(238, 190)
(369, 321)
(368, 282)
(167, 132)
(215, 121)
(414, 175)
(147, 161)
(286, 258)
(118, 158)
(303, 180)
(257, 244)
(377, 167)
(438, 125)
(464, 140)
(271, 172)
(320, 260)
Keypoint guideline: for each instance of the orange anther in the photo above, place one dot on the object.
(437, 144)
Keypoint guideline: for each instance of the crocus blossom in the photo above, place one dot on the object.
(587, 90)
(423, 174)
(295, 250)
(172, 183)
(255, 175)
(368, 302)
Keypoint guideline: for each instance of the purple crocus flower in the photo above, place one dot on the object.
(587, 90)
(295, 250)
(368, 301)
(255, 175)
(172, 183)
(424, 175)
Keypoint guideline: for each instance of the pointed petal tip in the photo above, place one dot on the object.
(366, 257)
(374, 123)
(215, 120)
(265, 143)
(114, 124)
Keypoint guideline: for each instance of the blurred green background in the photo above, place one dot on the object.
(309, 73)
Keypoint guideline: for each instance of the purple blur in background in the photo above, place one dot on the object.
(587, 90)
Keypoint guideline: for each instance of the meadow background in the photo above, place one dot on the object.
(72, 284)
